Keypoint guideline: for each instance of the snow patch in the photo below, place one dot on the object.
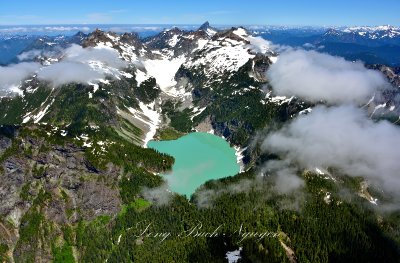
(210, 32)
(327, 198)
(154, 118)
(281, 99)
(239, 157)
(40, 115)
(273, 59)
(201, 43)
(149, 116)
(219, 58)
(306, 111)
(16, 89)
(173, 41)
(140, 77)
(164, 70)
(233, 256)
(240, 32)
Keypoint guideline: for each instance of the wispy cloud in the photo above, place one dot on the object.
(12, 75)
(340, 136)
(315, 76)
(89, 18)
(80, 65)
(44, 29)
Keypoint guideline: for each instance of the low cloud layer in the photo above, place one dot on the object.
(159, 196)
(108, 56)
(34, 53)
(76, 64)
(43, 29)
(205, 197)
(67, 72)
(342, 137)
(12, 75)
(315, 76)
(259, 44)
(82, 65)
(285, 172)
(29, 55)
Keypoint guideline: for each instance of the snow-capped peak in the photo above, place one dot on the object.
(370, 28)
(208, 29)
(241, 32)
(377, 32)
(256, 44)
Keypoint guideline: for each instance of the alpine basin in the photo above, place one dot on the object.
(199, 157)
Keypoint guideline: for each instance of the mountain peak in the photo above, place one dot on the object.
(80, 34)
(332, 32)
(174, 30)
(204, 26)
(210, 31)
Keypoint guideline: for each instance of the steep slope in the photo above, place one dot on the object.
(157, 71)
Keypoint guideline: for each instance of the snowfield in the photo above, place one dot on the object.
(164, 70)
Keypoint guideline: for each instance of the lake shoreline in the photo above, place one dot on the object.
(199, 157)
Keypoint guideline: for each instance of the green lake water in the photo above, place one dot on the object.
(199, 157)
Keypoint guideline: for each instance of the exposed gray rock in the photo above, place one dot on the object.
(5, 143)
(96, 198)
(62, 167)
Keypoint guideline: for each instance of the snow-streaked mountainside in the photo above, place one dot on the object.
(176, 66)
(187, 70)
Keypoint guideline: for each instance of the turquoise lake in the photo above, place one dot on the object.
(199, 157)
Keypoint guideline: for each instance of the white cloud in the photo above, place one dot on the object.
(12, 75)
(34, 53)
(77, 64)
(67, 28)
(342, 137)
(159, 196)
(259, 45)
(309, 45)
(67, 72)
(315, 76)
(83, 65)
(49, 29)
(29, 55)
(108, 56)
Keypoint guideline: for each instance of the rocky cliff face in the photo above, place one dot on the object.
(57, 181)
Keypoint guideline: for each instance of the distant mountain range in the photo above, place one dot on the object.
(373, 45)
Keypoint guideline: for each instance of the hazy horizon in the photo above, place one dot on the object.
(66, 29)
(233, 12)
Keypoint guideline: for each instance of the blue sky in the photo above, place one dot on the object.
(218, 12)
